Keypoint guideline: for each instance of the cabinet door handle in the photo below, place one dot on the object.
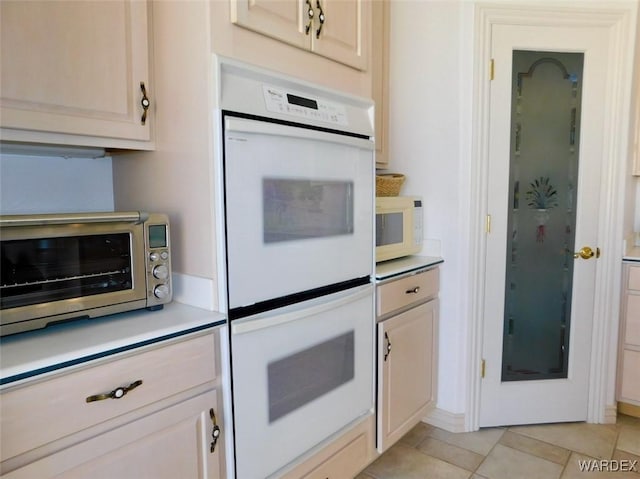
(413, 290)
(321, 18)
(144, 102)
(117, 393)
(309, 16)
(215, 432)
(387, 348)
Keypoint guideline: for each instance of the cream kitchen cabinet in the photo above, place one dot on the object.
(635, 113)
(629, 349)
(75, 73)
(151, 413)
(334, 29)
(380, 78)
(407, 309)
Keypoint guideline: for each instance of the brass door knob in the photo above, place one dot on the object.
(586, 252)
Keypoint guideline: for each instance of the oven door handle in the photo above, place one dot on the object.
(295, 313)
(240, 125)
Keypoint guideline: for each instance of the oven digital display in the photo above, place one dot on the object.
(157, 236)
(301, 101)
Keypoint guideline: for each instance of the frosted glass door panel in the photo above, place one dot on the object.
(545, 130)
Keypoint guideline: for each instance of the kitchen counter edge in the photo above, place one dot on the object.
(28, 355)
(632, 254)
(395, 268)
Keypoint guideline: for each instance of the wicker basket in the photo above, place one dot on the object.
(389, 184)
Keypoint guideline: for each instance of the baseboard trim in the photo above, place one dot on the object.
(610, 414)
(449, 421)
(629, 409)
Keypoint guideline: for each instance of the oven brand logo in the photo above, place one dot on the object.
(608, 465)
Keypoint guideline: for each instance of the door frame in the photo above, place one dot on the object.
(620, 20)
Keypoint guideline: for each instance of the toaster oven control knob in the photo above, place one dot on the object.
(161, 291)
(153, 256)
(161, 271)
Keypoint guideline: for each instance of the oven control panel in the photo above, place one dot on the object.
(287, 102)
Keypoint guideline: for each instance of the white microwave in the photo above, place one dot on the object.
(399, 229)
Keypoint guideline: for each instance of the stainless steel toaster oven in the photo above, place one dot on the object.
(56, 267)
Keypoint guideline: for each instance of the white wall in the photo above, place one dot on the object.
(430, 84)
(53, 184)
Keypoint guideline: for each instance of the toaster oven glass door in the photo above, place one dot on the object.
(41, 270)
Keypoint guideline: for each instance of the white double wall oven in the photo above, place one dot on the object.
(298, 169)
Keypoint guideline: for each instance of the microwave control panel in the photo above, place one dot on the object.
(417, 222)
(287, 102)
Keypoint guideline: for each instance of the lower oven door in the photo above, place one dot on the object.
(300, 374)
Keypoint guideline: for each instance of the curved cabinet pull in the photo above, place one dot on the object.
(215, 433)
(310, 14)
(387, 348)
(321, 18)
(116, 393)
(413, 290)
(144, 102)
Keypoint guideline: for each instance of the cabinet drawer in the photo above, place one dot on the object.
(407, 291)
(347, 462)
(634, 277)
(39, 413)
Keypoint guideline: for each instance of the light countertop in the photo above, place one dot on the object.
(407, 264)
(632, 254)
(58, 346)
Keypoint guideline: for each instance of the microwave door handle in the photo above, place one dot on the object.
(240, 125)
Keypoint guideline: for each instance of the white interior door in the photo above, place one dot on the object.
(522, 389)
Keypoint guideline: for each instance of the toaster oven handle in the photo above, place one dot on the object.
(66, 218)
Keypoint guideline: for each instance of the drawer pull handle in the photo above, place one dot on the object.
(387, 349)
(413, 291)
(145, 103)
(116, 393)
(215, 433)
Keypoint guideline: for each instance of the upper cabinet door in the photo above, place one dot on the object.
(283, 20)
(335, 29)
(74, 68)
(341, 30)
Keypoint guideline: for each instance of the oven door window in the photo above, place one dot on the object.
(302, 377)
(297, 209)
(36, 271)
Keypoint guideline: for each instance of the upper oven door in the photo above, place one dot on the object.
(299, 209)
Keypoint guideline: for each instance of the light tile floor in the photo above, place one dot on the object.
(552, 451)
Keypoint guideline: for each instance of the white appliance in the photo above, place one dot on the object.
(399, 226)
(298, 168)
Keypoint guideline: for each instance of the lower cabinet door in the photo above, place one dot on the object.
(407, 371)
(172, 443)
